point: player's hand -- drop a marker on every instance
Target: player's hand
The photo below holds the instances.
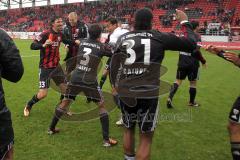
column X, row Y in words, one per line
column 114, row 91
column 67, row 48
column 181, row 16
column 212, row 49
column 47, row 43
column 77, row 42
column 232, row 57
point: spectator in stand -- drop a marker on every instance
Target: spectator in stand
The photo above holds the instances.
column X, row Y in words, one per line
column 237, row 21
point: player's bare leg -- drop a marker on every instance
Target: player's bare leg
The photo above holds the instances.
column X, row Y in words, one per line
column 104, row 77
column 9, row 155
column 234, row 133
column 144, row 148
column 129, row 143
column 63, row 88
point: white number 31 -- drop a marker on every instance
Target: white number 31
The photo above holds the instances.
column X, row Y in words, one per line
column 147, row 48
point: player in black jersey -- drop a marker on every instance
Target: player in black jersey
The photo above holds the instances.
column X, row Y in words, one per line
column 112, row 24
column 11, row 69
column 73, row 30
column 234, row 115
column 84, row 79
column 188, row 66
column 48, row 42
column 135, row 73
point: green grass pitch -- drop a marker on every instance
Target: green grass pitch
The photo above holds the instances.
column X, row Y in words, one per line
column 181, row 134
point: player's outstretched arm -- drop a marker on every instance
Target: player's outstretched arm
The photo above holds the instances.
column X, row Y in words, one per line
column 232, row 57
column 36, row 45
column 187, row 43
column 41, row 41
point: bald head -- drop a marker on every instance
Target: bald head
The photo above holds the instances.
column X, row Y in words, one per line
column 72, row 18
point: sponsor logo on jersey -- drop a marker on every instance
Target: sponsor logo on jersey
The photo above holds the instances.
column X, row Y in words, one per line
column 39, row 38
column 55, row 44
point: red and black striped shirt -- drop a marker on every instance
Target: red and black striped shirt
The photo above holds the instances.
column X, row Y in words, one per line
column 49, row 56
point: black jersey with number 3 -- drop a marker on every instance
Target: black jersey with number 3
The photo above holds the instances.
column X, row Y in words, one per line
column 139, row 70
column 89, row 57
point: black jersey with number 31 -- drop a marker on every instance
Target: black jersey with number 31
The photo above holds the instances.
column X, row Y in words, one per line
column 139, row 68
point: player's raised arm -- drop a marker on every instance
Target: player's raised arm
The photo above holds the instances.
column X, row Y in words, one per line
column 229, row 56
column 41, row 42
column 187, row 43
column 10, row 60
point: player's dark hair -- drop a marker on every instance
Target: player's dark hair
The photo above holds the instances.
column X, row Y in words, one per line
column 143, row 19
column 95, row 31
column 53, row 19
column 112, row 20
column 194, row 24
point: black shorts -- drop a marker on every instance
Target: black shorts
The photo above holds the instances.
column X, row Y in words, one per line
column 107, row 65
column 145, row 114
column 235, row 111
column 7, row 135
column 6, row 129
column 4, row 150
column 46, row 74
column 77, row 86
column 190, row 72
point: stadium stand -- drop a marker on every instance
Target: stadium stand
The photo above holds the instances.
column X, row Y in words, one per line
column 205, row 11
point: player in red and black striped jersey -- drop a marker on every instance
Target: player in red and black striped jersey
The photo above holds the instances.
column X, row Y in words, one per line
column 188, row 66
column 48, row 43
